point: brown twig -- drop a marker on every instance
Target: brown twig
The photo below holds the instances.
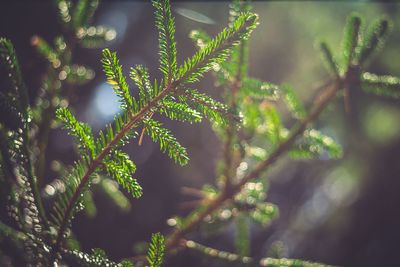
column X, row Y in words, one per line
column 95, row 163
column 227, row 194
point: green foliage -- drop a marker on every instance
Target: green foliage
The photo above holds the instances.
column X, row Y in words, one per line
column 97, row 258
column 167, row 141
column 357, row 46
column 206, row 105
column 264, row 213
column 16, row 165
column 110, row 188
column 313, row 143
column 248, row 122
column 152, row 99
column 81, row 131
column 117, row 80
column 200, row 37
column 107, row 135
column 330, row 62
column 350, row 40
column 89, row 205
column 242, row 240
column 95, row 36
column 140, row 75
column 76, row 18
column 83, row 12
column 259, row 89
column 251, row 202
column 215, row 253
column 14, row 89
column 374, row 39
column 121, row 168
column 64, row 209
column 12, row 121
column 180, row 111
column 166, row 29
column 274, row 125
column 381, row 85
column 64, row 11
column 76, row 74
column 217, row 49
column 155, row 253
column 46, row 51
column 289, row 263
column 293, row 102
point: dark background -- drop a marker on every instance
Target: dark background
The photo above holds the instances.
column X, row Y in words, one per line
column 343, row 212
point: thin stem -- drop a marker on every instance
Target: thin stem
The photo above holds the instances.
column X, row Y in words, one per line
column 95, row 163
column 230, row 130
column 44, row 128
column 135, row 118
column 212, row 252
column 48, row 113
column 33, row 181
column 241, row 259
column 321, row 102
column 226, row 195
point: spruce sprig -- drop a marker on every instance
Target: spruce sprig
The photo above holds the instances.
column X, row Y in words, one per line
column 117, row 80
column 168, row 142
column 206, row 105
column 152, row 99
column 166, row 30
column 81, row 131
column 384, row 85
column 374, row 38
column 180, row 111
column 350, row 40
column 16, row 147
column 155, row 253
column 98, row 257
column 16, row 90
column 217, row 49
column 83, row 12
column 121, row 168
column 140, row 75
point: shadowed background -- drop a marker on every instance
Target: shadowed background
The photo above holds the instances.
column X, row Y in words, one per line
column 343, row 212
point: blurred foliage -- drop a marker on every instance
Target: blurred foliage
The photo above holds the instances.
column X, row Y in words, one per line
column 256, row 122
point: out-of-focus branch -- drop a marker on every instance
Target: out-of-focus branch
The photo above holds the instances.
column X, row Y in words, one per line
column 321, row 102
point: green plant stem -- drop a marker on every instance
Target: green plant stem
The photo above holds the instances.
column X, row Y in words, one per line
column 327, row 95
column 136, row 118
column 95, row 163
column 230, row 130
column 33, row 181
column 43, row 136
column 49, row 113
column 224, row 255
column 230, row 133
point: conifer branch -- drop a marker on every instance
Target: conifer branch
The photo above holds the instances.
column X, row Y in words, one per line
column 241, row 194
column 207, row 106
column 113, row 71
column 61, row 74
column 166, row 27
column 327, row 95
column 212, row 252
column 168, row 143
column 232, row 257
column 350, row 40
column 217, row 49
column 17, row 93
column 155, row 254
column 230, row 130
column 374, row 39
column 97, row 161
